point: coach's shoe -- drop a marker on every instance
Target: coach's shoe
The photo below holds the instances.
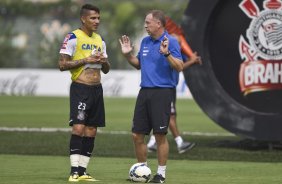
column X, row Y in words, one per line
column 86, row 177
column 152, row 148
column 157, row 179
column 73, row 177
column 185, row 146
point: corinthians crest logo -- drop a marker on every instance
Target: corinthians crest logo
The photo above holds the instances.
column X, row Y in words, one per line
column 262, row 53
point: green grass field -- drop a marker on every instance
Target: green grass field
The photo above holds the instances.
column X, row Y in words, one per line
column 42, row 157
column 53, row 112
column 17, row 169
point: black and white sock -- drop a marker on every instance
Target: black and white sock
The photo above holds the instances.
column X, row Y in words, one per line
column 86, row 151
column 75, row 151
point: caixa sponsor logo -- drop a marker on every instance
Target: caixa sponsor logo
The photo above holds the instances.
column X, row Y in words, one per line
column 90, row 47
column 262, row 52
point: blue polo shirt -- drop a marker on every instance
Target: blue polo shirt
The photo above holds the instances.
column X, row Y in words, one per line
column 155, row 69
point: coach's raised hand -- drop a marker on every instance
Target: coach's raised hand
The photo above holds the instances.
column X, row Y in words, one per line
column 126, row 50
column 164, row 46
column 126, row 47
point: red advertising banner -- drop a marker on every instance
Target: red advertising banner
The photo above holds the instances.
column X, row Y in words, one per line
column 260, row 75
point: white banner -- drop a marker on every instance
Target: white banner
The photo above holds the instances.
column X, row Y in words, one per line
column 52, row 82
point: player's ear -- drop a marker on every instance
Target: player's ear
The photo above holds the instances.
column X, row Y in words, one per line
column 82, row 19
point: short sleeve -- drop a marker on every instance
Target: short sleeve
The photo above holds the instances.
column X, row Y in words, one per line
column 104, row 48
column 69, row 45
column 174, row 48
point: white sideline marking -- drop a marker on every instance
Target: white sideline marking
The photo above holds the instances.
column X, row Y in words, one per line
column 25, row 129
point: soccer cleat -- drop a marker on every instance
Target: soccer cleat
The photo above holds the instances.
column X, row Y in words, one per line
column 157, row 179
column 86, row 177
column 73, row 177
column 152, row 148
column 185, row 146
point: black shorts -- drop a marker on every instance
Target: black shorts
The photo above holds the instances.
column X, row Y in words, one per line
column 152, row 111
column 87, row 105
column 173, row 103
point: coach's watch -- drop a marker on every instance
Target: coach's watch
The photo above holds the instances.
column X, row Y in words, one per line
column 167, row 54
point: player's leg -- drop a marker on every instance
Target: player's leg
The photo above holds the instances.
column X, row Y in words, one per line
column 86, row 152
column 152, row 145
column 173, row 126
column 75, row 150
column 182, row 146
column 77, row 121
column 172, row 122
column 95, row 118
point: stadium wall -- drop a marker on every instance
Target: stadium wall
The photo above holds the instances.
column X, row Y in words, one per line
column 51, row 82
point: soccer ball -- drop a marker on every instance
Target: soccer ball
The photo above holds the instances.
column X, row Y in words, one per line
column 139, row 172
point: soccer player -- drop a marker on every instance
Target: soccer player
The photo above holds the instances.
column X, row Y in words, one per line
column 159, row 60
column 83, row 52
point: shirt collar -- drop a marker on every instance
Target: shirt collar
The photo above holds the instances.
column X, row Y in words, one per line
column 160, row 38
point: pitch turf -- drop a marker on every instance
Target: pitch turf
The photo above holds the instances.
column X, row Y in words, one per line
column 214, row 160
column 17, row 169
column 18, row 111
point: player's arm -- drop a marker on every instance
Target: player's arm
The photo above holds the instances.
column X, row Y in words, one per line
column 193, row 59
column 105, row 66
column 66, row 52
column 126, row 49
column 104, row 59
column 66, row 63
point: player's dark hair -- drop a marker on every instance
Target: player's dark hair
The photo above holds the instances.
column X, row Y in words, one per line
column 88, row 7
column 158, row 14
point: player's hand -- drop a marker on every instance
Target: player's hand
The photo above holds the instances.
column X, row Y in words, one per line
column 95, row 58
column 196, row 59
column 103, row 59
column 164, row 45
column 125, row 44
